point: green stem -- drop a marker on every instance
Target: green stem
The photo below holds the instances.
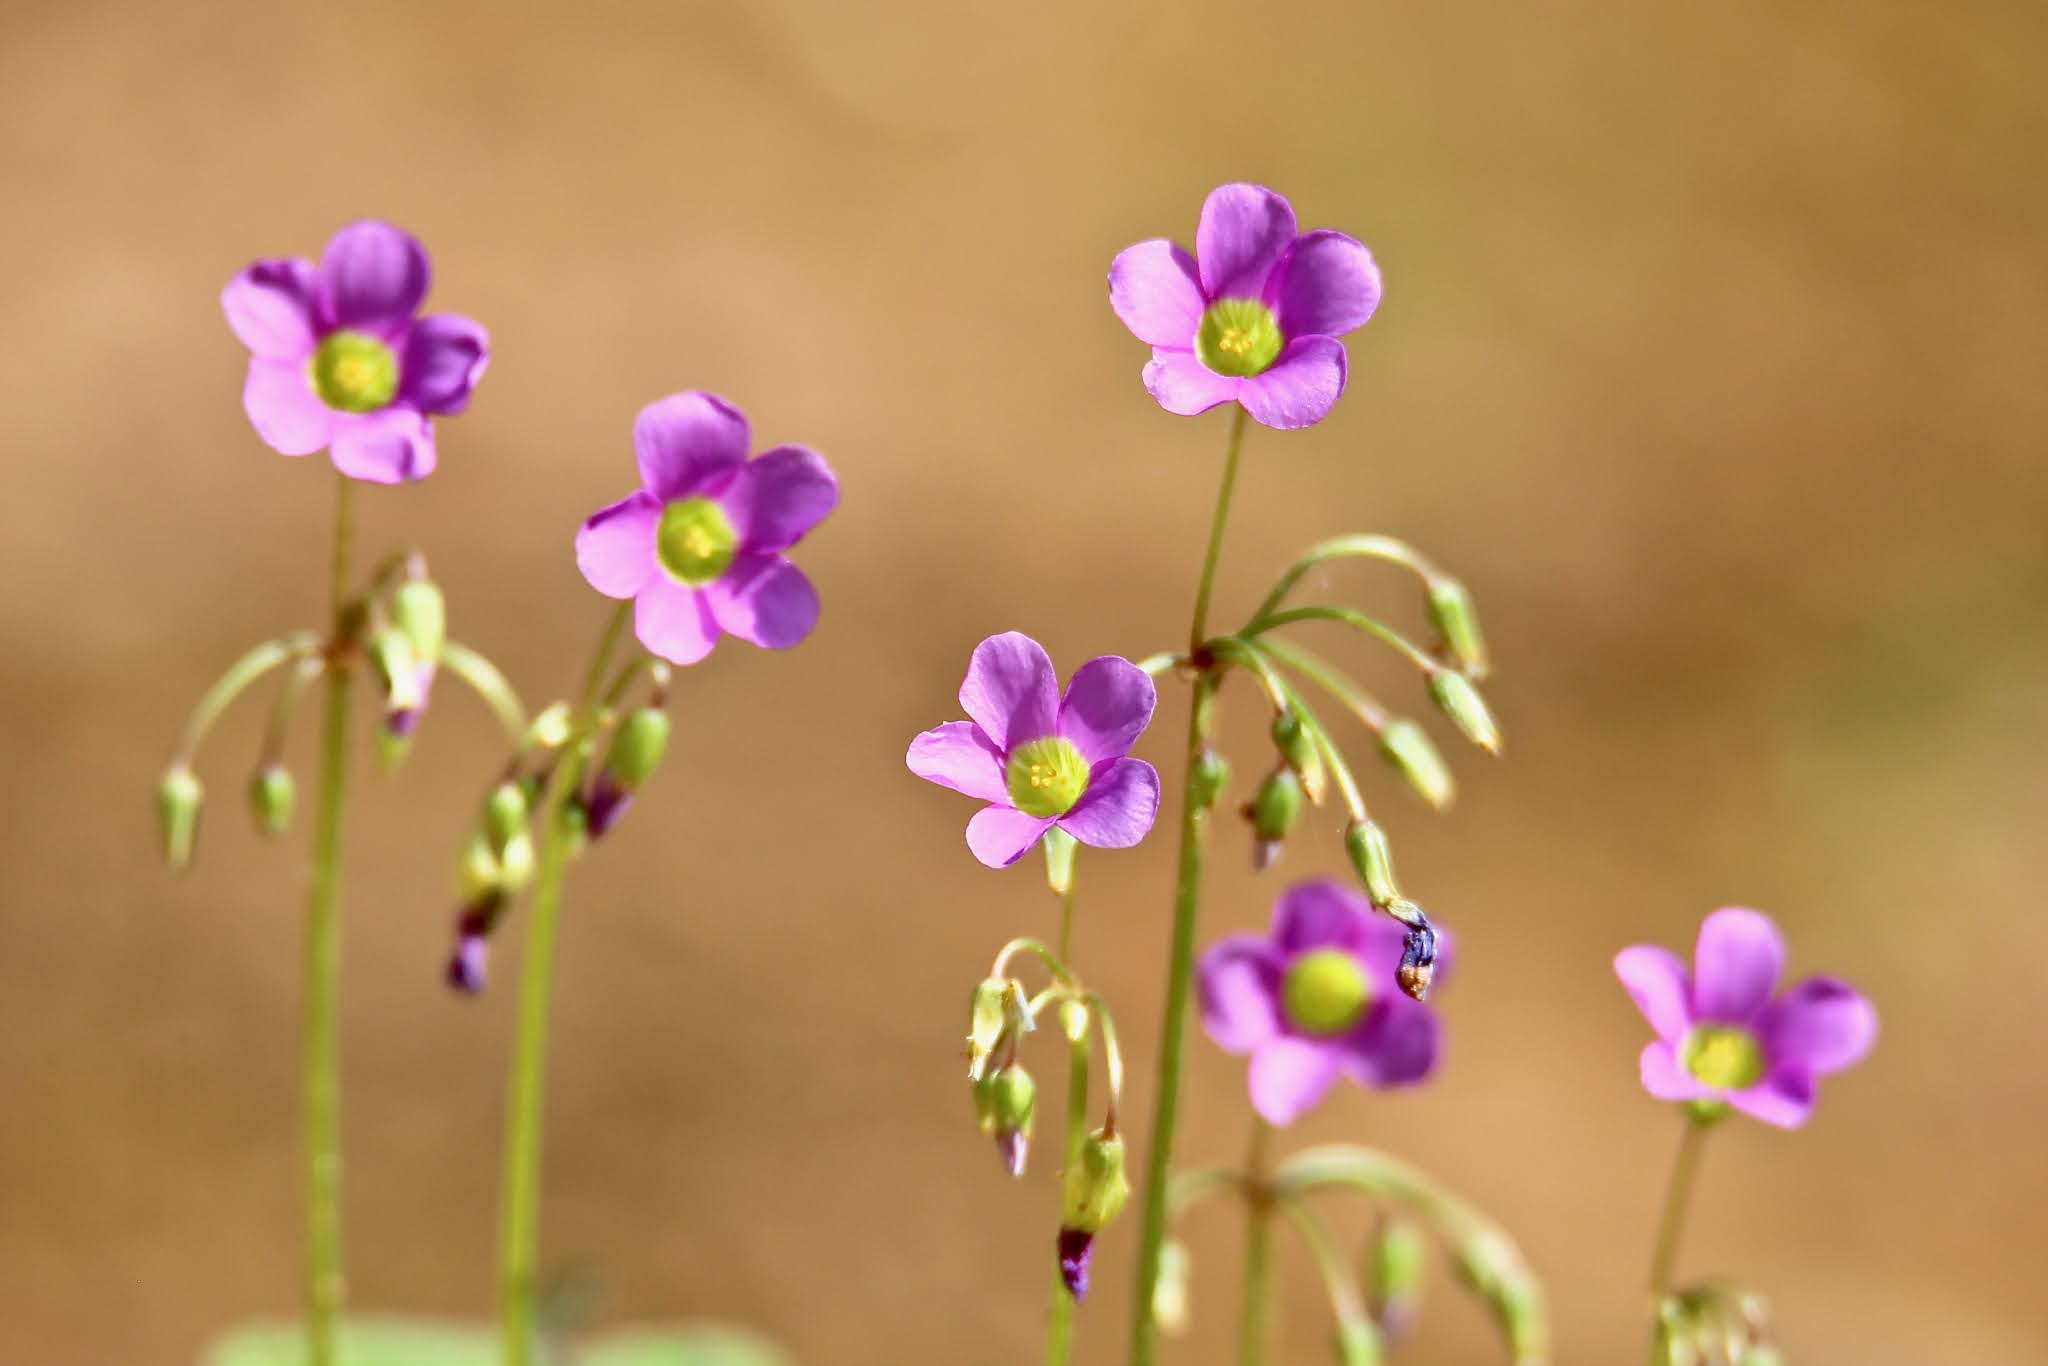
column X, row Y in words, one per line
column 320, row 1037
column 1258, row 1239
column 1059, row 1332
column 519, row 1219
column 1357, row 621
column 1345, row 1301
column 1187, row 900
column 1349, row 547
column 1676, row 1195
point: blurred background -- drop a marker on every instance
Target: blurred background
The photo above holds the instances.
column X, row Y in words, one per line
column 1711, row 357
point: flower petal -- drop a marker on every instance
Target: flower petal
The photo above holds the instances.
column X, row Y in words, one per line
column 1300, row 388
column 445, row 356
column 1736, row 964
column 372, row 273
column 1184, row 385
column 959, row 756
column 1317, row 914
column 1657, row 982
column 1664, row 1078
column 1244, row 230
column 1237, row 982
column 1784, row 1099
column 1327, row 285
column 1396, row 1044
column 1109, row 703
column 1000, row 835
column 673, row 620
column 270, row 308
column 390, row 446
column 1010, row 690
column 1289, row 1075
column 615, row 546
column 283, row 408
column 764, row 600
column 687, row 440
column 1156, row 292
column 1823, row 1024
column 778, row 496
column 1119, row 806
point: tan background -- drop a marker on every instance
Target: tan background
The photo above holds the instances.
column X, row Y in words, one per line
column 1712, row 356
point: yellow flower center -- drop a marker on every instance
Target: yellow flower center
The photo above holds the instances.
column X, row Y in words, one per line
column 354, row 372
column 1047, row 777
column 1238, row 337
column 695, row 541
column 1722, row 1056
column 1325, row 992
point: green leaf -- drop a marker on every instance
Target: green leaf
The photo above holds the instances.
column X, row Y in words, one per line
column 364, row 1342
column 684, row 1347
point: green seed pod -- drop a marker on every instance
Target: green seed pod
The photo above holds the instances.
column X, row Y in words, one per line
column 419, row 610
column 179, row 796
column 1458, row 699
column 1170, row 1294
column 505, row 814
column 1096, row 1186
column 1298, row 750
column 1407, row 747
column 637, row 747
column 1397, row 1265
column 1211, row 775
column 1457, row 622
column 272, row 797
column 1374, row 860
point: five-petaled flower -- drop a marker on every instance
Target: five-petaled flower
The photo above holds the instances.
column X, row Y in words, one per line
column 338, row 361
column 1253, row 316
column 1315, row 1000
column 1042, row 760
column 1722, row 1040
column 699, row 547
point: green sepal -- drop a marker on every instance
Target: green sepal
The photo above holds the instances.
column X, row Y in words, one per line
column 273, row 796
column 179, row 796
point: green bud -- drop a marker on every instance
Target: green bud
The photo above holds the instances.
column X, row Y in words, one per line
column 1273, row 812
column 178, row 798
column 1298, row 749
column 1456, row 621
column 1012, row 1096
column 505, row 814
column 1407, row 747
column 550, row 729
column 392, row 651
column 575, row 819
column 1060, row 848
column 988, row 1019
column 1170, row 1298
column 272, row 796
column 984, row 1091
column 1359, row 1343
column 477, row 874
column 1074, row 1019
column 1374, row 860
column 1458, row 699
column 637, row 747
column 1096, row 1187
column 1396, row 1268
column 419, row 610
column 1211, row 774
column 516, row 862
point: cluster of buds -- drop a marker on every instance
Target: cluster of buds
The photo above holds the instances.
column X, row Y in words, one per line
column 406, row 638
column 496, row 864
column 1004, row 1093
column 1714, row 1325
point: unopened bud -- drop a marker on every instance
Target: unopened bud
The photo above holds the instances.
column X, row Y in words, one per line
column 469, row 963
column 477, row 874
column 988, row 1018
column 1076, row 1249
column 1458, row 699
column 1407, row 747
column 637, row 747
column 1273, row 812
column 550, row 729
column 505, row 814
column 1074, row 1019
column 1457, row 622
column 1096, row 1185
column 1359, row 1343
column 419, row 610
column 1397, row 1266
column 272, row 797
column 398, row 664
column 1374, row 860
column 516, row 862
column 1210, row 776
column 1170, row 1293
column 1298, row 750
column 1011, row 1099
column 178, row 799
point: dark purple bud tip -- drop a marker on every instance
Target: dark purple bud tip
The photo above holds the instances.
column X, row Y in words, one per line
column 466, row 966
column 1075, row 1249
column 404, row 721
column 607, row 802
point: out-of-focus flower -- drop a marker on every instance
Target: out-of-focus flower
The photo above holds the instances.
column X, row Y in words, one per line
column 699, row 547
column 1041, row 759
column 1253, row 316
column 1721, row 1038
column 338, row 361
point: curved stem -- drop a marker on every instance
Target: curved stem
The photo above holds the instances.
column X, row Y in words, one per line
column 1217, row 522
column 1345, row 1301
column 1677, row 1192
column 1330, row 679
column 1258, row 1239
column 238, row 678
column 1357, row 621
column 519, row 1230
column 489, row 683
column 1365, row 546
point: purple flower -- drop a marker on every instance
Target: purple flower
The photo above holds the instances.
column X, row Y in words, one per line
column 1316, row 1000
column 1722, row 1040
column 1253, row 316
column 337, row 359
column 1042, row 760
column 698, row 547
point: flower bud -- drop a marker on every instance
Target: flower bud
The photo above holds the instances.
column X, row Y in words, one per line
column 1273, row 812
column 1170, row 1295
column 1011, row 1099
column 1397, row 1265
column 550, row 729
column 988, row 1019
column 516, row 863
column 178, row 798
column 1074, row 1019
column 1407, row 747
column 505, row 814
column 637, row 747
column 469, row 963
column 1298, row 749
column 1456, row 621
column 1076, row 1247
column 1211, row 774
column 272, row 797
column 419, row 610
column 1374, row 861
column 1458, row 699
column 398, row 664
column 477, row 874
column 1096, row 1186
column 1359, row 1343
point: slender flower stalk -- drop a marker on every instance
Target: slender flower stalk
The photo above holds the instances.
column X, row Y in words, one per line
column 1059, row 1332
column 1677, row 1195
column 1258, row 1239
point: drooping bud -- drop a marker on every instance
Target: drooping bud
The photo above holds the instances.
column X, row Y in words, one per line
column 1407, row 747
column 468, row 964
column 988, row 1019
column 1096, row 1184
column 1359, row 1343
column 1374, row 861
column 1396, row 1267
column 398, row 665
column 419, row 610
column 1457, row 622
column 636, row 750
column 1273, row 812
column 1170, row 1293
column 179, row 795
column 1298, row 750
column 550, row 729
column 272, row 797
column 516, row 862
column 477, row 874
column 1074, row 1019
column 1210, row 776
column 1011, row 1099
column 1458, row 699
column 505, row 814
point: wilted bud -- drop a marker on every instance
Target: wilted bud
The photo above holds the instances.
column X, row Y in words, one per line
column 178, row 798
column 1273, row 812
column 1417, row 968
column 1456, row 621
column 988, row 1019
column 1407, row 747
column 1211, row 774
column 1359, row 1343
column 1170, row 1294
column 1397, row 1265
column 1367, row 845
column 272, row 797
column 1298, row 750
column 1458, row 699
column 419, row 610
column 505, row 814
column 1011, row 1099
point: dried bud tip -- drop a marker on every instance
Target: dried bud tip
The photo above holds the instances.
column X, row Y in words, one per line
column 1418, row 962
column 1076, row 1247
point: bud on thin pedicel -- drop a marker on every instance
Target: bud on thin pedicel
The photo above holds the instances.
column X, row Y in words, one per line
column 1397, row 1266
column 1210, row 776
column 988, row 1018
column 505, row 814
column 1458, row 699
column 637, row 747
column 1096, row 1185
column 1011, row 1100
column 179, row 795
column 1298, row 750
column 1457, row 622
column 272, row 797
column 1407, row 747
column 1273, row 811
column 419, row 610
column 1374, row 860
